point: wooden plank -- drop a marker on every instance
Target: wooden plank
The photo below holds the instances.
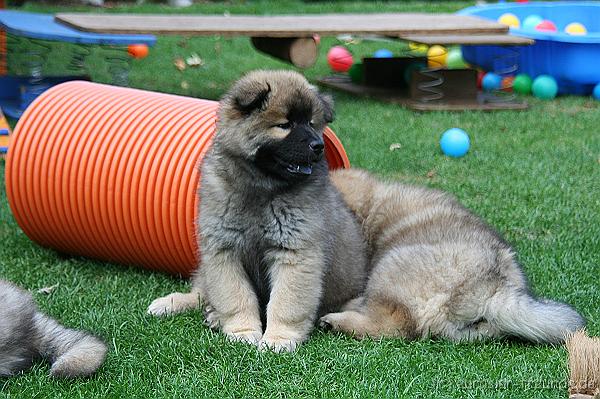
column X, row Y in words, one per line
column 394, row 25
column 500, row 39
column 402, row 97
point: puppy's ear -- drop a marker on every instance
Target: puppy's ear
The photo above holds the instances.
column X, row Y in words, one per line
column 251, row 97
column 327, row 104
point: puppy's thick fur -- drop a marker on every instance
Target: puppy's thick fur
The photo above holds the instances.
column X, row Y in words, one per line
column 438, row 270
column 279, row 247
column 27, row 334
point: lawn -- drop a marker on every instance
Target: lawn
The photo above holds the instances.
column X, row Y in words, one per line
column 533, row 175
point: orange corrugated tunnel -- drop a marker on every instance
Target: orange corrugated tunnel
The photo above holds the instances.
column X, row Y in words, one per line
column 112, row 173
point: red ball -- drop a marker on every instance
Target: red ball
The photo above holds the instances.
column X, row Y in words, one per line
column 137, row 50
column 546, row 26
column 522, row 1
column 339, row 59
column 480, row 76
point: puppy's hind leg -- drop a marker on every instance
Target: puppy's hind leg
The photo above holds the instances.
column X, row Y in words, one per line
column 376, row 318
column 177, row 302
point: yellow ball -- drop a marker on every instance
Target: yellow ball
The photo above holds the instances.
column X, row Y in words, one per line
column 510, row 20
column 418, row 47
column 575, row 28
column 437, row 56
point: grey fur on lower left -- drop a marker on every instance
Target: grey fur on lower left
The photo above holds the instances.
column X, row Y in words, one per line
column 26, row 334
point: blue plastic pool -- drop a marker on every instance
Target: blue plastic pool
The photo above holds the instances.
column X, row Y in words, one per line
column 574, row 61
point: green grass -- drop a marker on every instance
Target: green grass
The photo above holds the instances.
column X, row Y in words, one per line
column 534, row 175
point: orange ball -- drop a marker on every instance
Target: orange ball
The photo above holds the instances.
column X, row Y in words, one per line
column 137, row 50
column 507, row 83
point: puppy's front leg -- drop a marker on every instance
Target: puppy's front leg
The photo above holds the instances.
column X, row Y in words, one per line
column 229, row 292
column 296, row 289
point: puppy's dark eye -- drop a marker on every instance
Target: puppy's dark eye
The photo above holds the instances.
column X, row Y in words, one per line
column 284, row 126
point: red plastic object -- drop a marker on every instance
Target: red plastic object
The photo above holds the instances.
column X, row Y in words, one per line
column 138, row 50
column 112, row 173
column 339, row 59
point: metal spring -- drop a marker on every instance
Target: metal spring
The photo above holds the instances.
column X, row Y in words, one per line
column 79, row 53
column 432, row 89
column 505, row 64
column 119, row 64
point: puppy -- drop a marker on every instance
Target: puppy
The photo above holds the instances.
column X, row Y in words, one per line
column 439, row 270
column 278, row 245
column 27, row 334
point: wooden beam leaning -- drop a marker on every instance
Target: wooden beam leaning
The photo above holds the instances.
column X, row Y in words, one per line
column 301, row 52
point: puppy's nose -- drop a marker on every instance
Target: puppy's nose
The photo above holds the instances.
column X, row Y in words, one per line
column 317, row 146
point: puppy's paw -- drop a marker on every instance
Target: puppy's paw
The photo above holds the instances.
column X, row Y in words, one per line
column 174, row 303
column 251, row 337
column 278, row 344
column 211, row 317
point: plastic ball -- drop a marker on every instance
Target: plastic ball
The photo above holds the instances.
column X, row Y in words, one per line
column 544, row 87
column 507, row 83
column 437, row 56
column 522, row 84
column 532, row 21
column 418, row 47
column 383, row 53
column 546, row 26
column 491, row 81
column 408, row 71
column 509, row 20
column 455, row 142
column 317, row 39
column 480, row 75
column 138, row 50
column 339, row 59
column 596, row 92
column 455, row 59
column 576, row 29
column 356, row 72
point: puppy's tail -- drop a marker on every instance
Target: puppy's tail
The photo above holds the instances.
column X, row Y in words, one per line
column 72, row 353
column 515, row 312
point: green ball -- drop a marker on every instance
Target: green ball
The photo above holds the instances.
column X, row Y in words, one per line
column 544, row 87
column 356, row 72
column 455, row 59
column 522, row 84
column 408, row 71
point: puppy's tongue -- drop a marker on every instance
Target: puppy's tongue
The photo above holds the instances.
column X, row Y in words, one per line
column 300, row 169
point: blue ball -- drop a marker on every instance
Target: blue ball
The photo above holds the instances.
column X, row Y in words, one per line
column 532, row 21
column 596, row 92
column 491, row 81
column 455, row 142
column 383, row 53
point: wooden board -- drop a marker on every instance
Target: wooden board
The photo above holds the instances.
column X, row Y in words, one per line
column 394, row 25
column 470, row 39
column 483, row 102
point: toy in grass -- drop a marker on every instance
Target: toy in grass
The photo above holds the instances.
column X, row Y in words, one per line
column 418, row 47
column 339, row 59
column 546, row 26
column 138, row 50
column 576, row 29
column 455, row 59
column 383, row 53
column 491, row 81
column 124, row 183
column 596, row 92
column 544, row 87
column 356, row 72
column 522, row 84
column 532, row 21
column 509, row 19
column 437, row 56
column 455, row 142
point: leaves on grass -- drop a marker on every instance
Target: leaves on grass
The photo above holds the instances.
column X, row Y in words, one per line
column 185, row 85
column 194, row 60
column 48, row 290
column 431, row 174
column 179, row 64
column 395, row 146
